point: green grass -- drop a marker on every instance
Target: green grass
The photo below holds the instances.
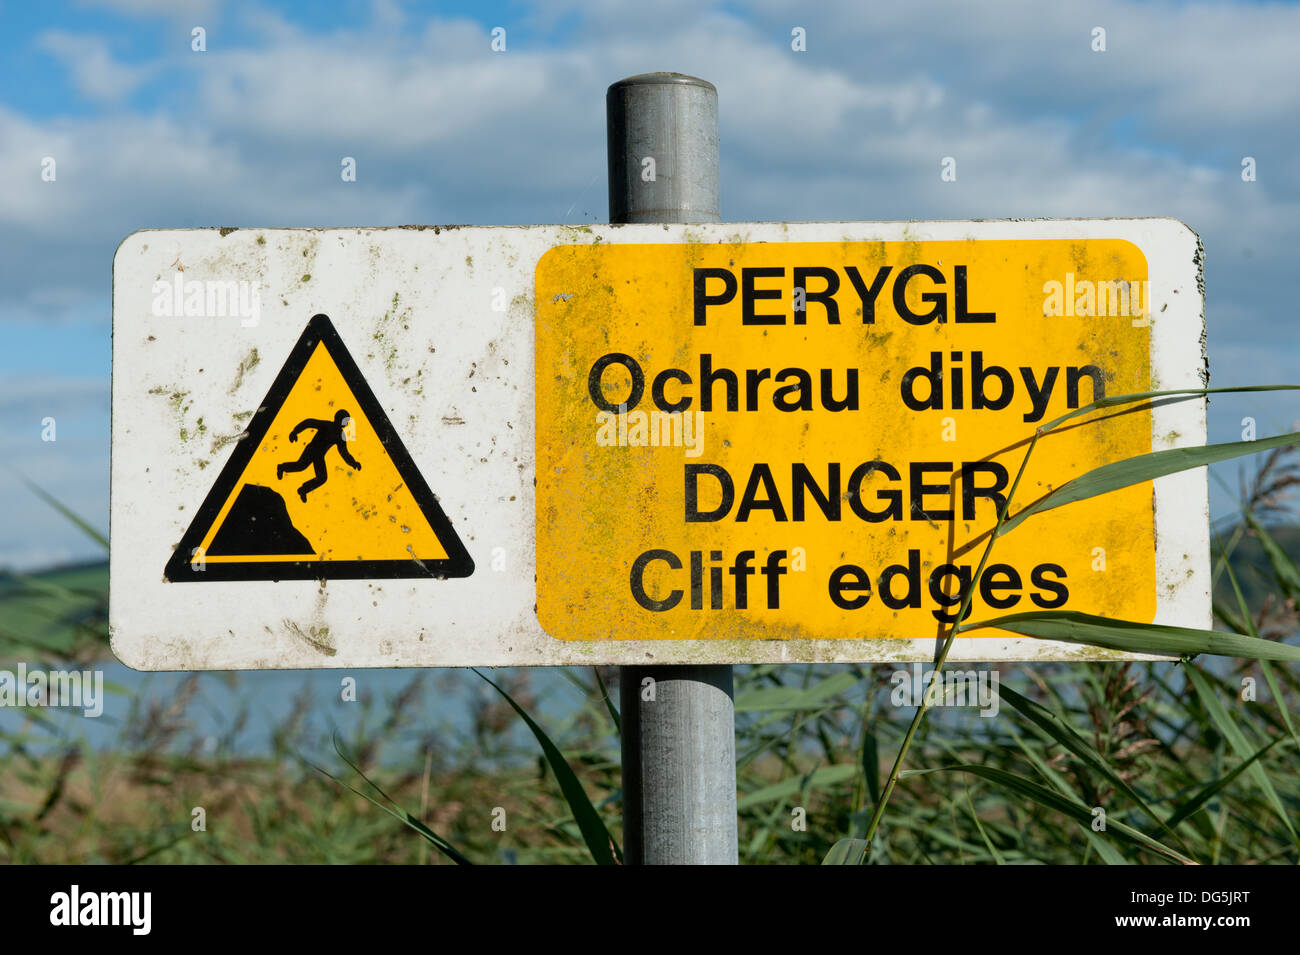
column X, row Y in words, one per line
column 61, row 612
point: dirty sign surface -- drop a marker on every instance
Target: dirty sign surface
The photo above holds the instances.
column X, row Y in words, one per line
column 730, row 443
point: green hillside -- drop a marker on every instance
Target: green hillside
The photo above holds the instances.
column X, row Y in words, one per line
column 61, row 612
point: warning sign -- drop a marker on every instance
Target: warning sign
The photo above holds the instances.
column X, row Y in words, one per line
column 811, row 440
column 708, row 443
column 320, row 486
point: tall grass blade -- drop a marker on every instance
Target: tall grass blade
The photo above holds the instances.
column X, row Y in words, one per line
column 823, row 776
column 67, row 512
column 1143, row 467
column 1063, row 733
column 1065, row 805
column 1073, row 627
column 1247, row 624
column 1284, row 568
column 1233, row 734
column 589, row 822
column 847, row 852
column 1207, row 792
column 393, row 809
column 609, row 704
column 796, row 698
column 1113, row 401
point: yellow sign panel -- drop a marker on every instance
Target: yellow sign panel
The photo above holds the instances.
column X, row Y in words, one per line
column 320, row 486
column 811, row 440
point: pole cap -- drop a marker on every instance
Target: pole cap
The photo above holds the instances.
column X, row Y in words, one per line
column 663, row 79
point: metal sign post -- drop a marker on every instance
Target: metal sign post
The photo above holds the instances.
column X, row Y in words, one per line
column 679, row 742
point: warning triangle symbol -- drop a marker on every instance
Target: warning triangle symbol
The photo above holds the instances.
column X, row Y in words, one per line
column 320, row 486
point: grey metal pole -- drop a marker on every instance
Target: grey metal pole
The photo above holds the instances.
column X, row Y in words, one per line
column 679, row 732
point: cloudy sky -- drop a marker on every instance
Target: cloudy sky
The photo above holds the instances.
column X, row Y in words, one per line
column 146, row 132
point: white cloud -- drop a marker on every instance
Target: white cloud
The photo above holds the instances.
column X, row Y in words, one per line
column 95, row 73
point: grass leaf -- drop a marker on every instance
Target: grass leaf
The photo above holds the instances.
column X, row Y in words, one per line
column 1233, row 734
column 1283, row 566
column 394, row 810
column 1208, row 791
column 1074, row 627
column 796, row 698
column 589, row 822
column 1065, row 805
column 67, row 512
column 609, row 704
column 1063, row 733
column 1143, row 467
column 847, row 852
column 823, row 776
column 1113, row 401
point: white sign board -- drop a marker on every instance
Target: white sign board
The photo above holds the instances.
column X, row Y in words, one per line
column 627, row 444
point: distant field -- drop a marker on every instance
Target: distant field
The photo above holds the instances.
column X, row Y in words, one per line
column 62, row 611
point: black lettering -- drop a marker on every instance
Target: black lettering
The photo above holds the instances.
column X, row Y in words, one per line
column 707, row 378
column 692, row 475
column 937, row 299
column 749, row 294
column 958, row 389
column 773, row 570
column 826, row 297
column 907, row 386
column 892, row 496
column 912, row 573
column 703, row 299
column 829, row 401
column 868, row 295
column 978, row 375
column 742, row 571
column 657, row 391
column 595, row 376
column 939, row 592
column 752, row 378
column 802, row 480
column 1039, row 395
column 969, row 492
column 761, row 474
column 989, row 586
column 1062, row 593
column 1072, row 376
column 638, row 584
column 959, row 300
column 697, row 580
column 920, row 489
column 801, row 389
column 840, row 583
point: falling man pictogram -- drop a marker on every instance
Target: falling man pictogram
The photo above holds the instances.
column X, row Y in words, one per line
column 329, row 434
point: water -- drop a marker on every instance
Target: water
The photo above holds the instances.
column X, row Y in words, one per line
column 242, row 713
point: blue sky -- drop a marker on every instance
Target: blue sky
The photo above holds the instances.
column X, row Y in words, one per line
column 148, row 133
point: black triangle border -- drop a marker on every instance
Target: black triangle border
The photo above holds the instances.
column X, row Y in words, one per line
column 320, row 330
